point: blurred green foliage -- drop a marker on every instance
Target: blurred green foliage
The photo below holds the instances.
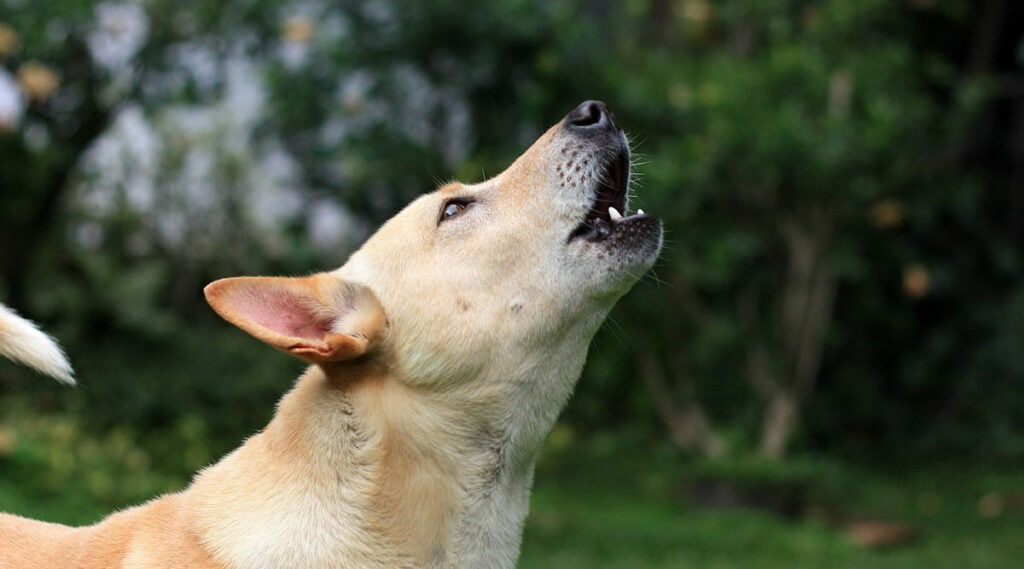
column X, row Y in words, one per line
column 841, row 270
column 821, row 134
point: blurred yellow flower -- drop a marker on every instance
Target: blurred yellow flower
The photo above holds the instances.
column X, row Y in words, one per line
column 8, row 40
column 917, row 281
column 298, row 29
column 37, row 80
column 8, row 441
column 887, row 214
column 697, row 11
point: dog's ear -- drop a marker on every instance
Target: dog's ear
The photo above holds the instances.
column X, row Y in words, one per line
column 320, row 318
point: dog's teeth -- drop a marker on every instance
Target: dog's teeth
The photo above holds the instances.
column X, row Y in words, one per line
column 639, row 211
column 614, row 213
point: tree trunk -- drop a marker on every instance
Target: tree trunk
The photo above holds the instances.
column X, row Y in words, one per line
column 687, row 423
column 808, row 298
column 781, row 418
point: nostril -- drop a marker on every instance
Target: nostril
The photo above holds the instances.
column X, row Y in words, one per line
column 589, row 113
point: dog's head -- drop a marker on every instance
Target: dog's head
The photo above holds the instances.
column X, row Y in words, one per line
column 506, row 279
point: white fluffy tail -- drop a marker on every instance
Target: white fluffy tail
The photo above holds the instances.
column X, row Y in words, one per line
column 22, row 342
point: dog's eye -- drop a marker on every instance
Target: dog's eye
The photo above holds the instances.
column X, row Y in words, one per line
column 453, row 208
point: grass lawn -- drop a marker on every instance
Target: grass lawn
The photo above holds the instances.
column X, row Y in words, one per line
column 606, row 528
column 625, row 517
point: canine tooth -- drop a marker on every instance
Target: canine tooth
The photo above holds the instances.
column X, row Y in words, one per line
column 639, row 211
column 614, row 213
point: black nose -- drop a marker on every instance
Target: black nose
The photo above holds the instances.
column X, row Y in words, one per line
column 591, row 115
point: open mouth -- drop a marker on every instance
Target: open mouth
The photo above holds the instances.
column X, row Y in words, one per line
column 610, row 202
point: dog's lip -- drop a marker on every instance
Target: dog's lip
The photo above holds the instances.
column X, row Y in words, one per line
column 610, row 205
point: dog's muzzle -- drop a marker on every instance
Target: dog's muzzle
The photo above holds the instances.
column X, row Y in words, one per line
column 608, row 219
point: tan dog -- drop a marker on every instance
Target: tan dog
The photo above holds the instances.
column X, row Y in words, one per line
column 443, row 352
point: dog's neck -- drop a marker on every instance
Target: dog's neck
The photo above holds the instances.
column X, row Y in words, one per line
column 364, row 470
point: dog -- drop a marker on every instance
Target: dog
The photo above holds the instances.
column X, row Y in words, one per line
column 23, row 342
column 441, row 354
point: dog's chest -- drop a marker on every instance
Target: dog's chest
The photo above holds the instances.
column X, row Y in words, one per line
column 296, row 528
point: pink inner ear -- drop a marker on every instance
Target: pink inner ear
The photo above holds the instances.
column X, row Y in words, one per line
column 285, row 313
